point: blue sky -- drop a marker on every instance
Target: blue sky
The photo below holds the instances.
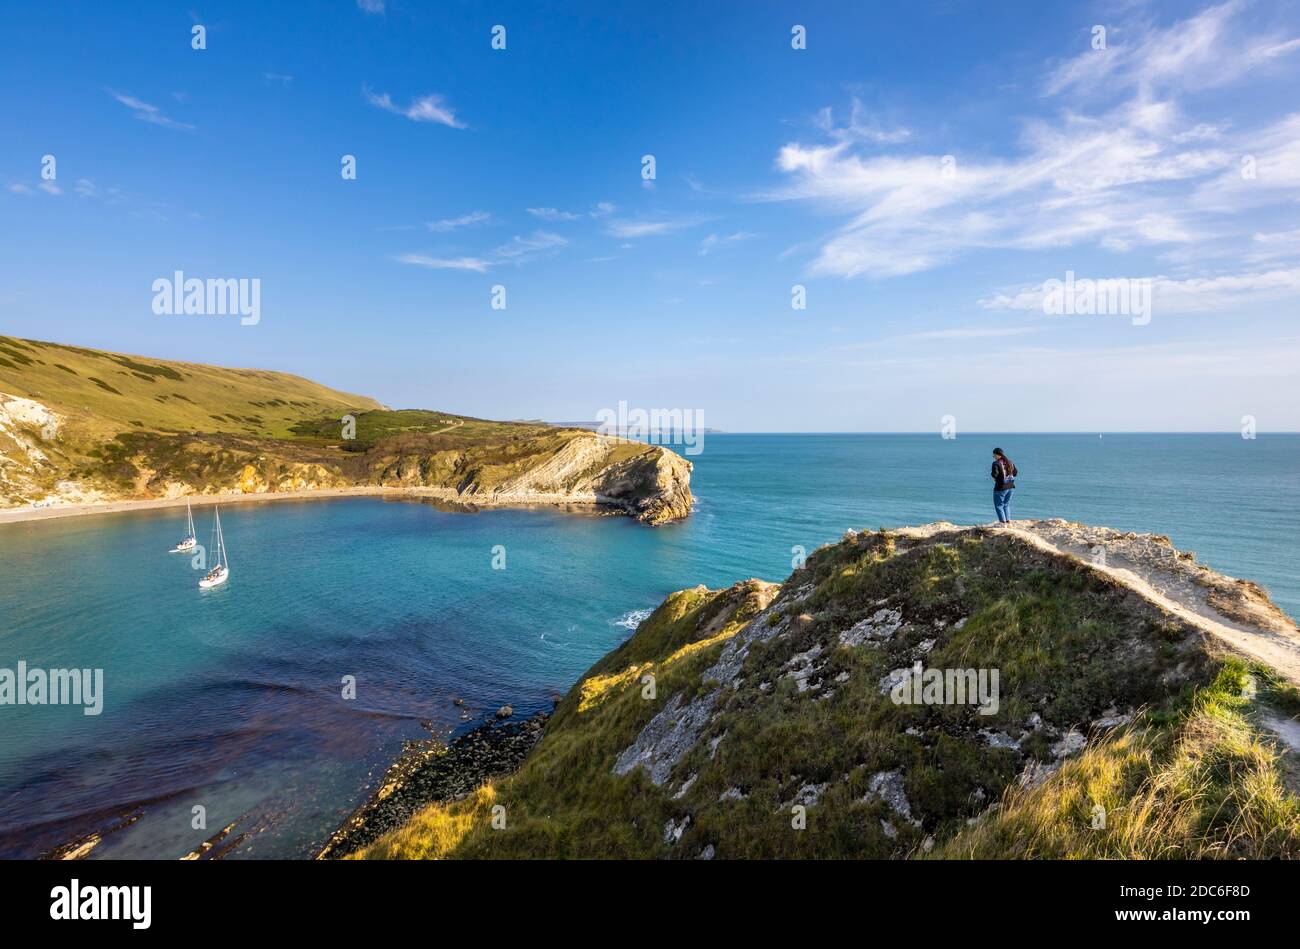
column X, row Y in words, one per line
column 774, row 167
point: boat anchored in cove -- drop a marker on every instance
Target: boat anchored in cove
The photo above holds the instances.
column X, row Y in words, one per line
column 189, row 542
column 220, row 571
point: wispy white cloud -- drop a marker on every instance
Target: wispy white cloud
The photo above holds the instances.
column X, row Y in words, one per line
column 49, row 187
column 860, row 127
column 1203, row 51
column 629, row 229
column 1171, row 295
column 520, row 249
column 465, row 220
column 427, row 108
column 1135, row 174
column 1279, row 237
column 554, row 214
column 988, row 332
column 277, row 78
column 714, row 242
column 371, row 6
column 603, row 209
column 146, row 112
column 476, row 264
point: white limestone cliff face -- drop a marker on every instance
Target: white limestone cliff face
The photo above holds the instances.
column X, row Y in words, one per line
column 26, row 428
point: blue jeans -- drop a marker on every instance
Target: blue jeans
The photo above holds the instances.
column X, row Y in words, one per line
column 1002, row 504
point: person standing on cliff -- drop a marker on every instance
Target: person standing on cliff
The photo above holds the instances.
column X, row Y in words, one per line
column 1004, row 482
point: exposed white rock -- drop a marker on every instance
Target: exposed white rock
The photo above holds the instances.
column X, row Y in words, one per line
column 806, row 657
column 686, row 786
column 892, row 678
column 808, row 795
column 878, row 627
column 19, row 413
column 1112, row 717
column 1036, row 772
column 673, row 830
column 713, row 745
column 888, row 786
column 1000, row 739
column 1071, row 742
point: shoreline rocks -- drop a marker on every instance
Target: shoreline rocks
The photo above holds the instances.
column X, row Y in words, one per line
column 430, row 772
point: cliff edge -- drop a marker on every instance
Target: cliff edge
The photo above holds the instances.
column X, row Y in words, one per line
column 1047, row 690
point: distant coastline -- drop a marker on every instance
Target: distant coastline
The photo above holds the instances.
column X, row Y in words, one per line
column 447, row 496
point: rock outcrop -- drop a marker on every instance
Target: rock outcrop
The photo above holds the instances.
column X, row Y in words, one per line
column 947, row 691
column 573, row 466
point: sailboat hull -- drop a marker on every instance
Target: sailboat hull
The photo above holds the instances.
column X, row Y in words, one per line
column 207, row 583
column 183, row 546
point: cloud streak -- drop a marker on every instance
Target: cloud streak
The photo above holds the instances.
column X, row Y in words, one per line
column 630, row 229
column 519, row 250
column 465, row 220
column 427, row 108
column 1134, row 172
column 147, row 112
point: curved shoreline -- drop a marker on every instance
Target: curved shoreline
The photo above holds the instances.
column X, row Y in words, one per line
column 449, row 496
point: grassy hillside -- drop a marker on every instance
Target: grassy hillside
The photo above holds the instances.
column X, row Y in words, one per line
column 104, row 393
column 771, row 699
column 84, row 425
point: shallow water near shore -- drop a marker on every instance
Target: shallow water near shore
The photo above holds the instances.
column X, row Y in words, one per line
column 230, row 699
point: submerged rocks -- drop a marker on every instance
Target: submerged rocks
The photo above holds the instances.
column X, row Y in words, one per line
column 429, row 772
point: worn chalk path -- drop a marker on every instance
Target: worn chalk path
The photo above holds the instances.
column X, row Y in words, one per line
column 1151, row 567
column 1273, row 645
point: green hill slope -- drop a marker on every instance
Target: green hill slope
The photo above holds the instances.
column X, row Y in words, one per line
column 107, row 392
column 774, row 726
column 81, row 425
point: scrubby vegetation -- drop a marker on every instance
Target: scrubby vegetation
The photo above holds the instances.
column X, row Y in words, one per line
column 137, row 428
column 766, row 703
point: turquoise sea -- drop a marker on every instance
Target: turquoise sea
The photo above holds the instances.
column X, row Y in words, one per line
column 231, row 699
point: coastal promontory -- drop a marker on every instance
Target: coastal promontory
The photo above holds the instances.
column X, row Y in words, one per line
column 83, row 428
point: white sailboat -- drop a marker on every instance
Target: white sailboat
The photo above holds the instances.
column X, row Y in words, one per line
column 220, row 571
column 189, row 543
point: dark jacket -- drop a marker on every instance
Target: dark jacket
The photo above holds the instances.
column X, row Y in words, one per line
column 1004, row 474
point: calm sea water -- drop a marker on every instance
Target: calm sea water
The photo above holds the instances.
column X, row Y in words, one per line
column 231, row 699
